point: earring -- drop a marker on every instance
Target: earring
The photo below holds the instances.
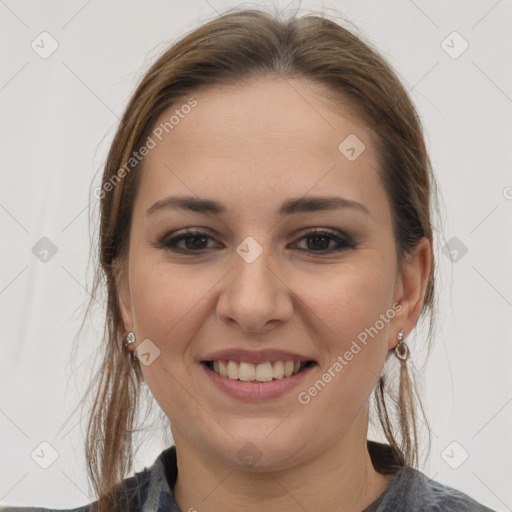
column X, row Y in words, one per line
column 129, row 342
column 401, row 350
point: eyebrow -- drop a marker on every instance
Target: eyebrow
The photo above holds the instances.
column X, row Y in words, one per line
column 289, row 207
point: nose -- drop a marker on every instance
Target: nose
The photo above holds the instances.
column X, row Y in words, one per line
column 255, row 296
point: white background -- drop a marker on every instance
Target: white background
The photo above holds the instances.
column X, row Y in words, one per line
column 58, row 118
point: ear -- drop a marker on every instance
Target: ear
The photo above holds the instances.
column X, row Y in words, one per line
column 411, row 287
column 123, row 293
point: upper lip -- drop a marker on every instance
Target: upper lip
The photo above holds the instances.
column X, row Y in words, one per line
column 255, row 356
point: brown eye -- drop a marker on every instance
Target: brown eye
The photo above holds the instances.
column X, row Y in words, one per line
column 320, row 241
column 191, row 241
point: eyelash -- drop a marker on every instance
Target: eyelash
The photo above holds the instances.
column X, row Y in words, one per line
column 171, row 243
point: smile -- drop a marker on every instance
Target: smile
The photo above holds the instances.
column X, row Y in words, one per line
column 262, row 372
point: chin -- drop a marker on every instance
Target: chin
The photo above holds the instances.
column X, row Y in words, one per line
column 260, row 453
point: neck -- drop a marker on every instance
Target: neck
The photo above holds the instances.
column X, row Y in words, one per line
column 339, row 478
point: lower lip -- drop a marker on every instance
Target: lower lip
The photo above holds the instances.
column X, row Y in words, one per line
column 254, row 391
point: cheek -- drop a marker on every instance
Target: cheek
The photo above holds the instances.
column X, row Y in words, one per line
column 337, row 305
column 350, row 300
column 169, row 305
column 356, row 310
column 167, row 301
column 340, row 302
column 356, row 341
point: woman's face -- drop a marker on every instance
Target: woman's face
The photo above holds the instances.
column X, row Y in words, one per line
column 257, row 286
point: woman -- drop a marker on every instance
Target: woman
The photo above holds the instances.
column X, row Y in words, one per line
column 267, row 246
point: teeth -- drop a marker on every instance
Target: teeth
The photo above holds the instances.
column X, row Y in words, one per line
column 247, row 372
column 263, row 372
column 278, row 370
column 288, row 368
column 232, row 370
column 222, row 368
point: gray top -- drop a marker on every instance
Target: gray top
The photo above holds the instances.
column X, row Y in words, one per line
column 409, row 490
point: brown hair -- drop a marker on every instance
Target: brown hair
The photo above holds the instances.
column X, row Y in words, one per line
column 236, row 46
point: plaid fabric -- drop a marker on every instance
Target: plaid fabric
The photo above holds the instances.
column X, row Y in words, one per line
column 159, row 497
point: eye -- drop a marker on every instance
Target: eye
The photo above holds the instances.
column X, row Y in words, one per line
column 319, row 240
column 194, row 241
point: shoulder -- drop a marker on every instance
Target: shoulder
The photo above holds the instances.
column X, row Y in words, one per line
column 131, row 492
column 410, row 489
column 84, row 508
column 437, row 496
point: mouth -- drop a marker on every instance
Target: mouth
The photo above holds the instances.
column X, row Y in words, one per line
column 266, row 371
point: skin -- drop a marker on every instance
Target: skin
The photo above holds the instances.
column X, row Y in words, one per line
column 252, row 146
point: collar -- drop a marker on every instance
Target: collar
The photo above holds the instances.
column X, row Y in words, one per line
column 161, row 477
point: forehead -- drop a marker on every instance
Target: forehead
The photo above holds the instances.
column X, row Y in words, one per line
column 252, row 142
